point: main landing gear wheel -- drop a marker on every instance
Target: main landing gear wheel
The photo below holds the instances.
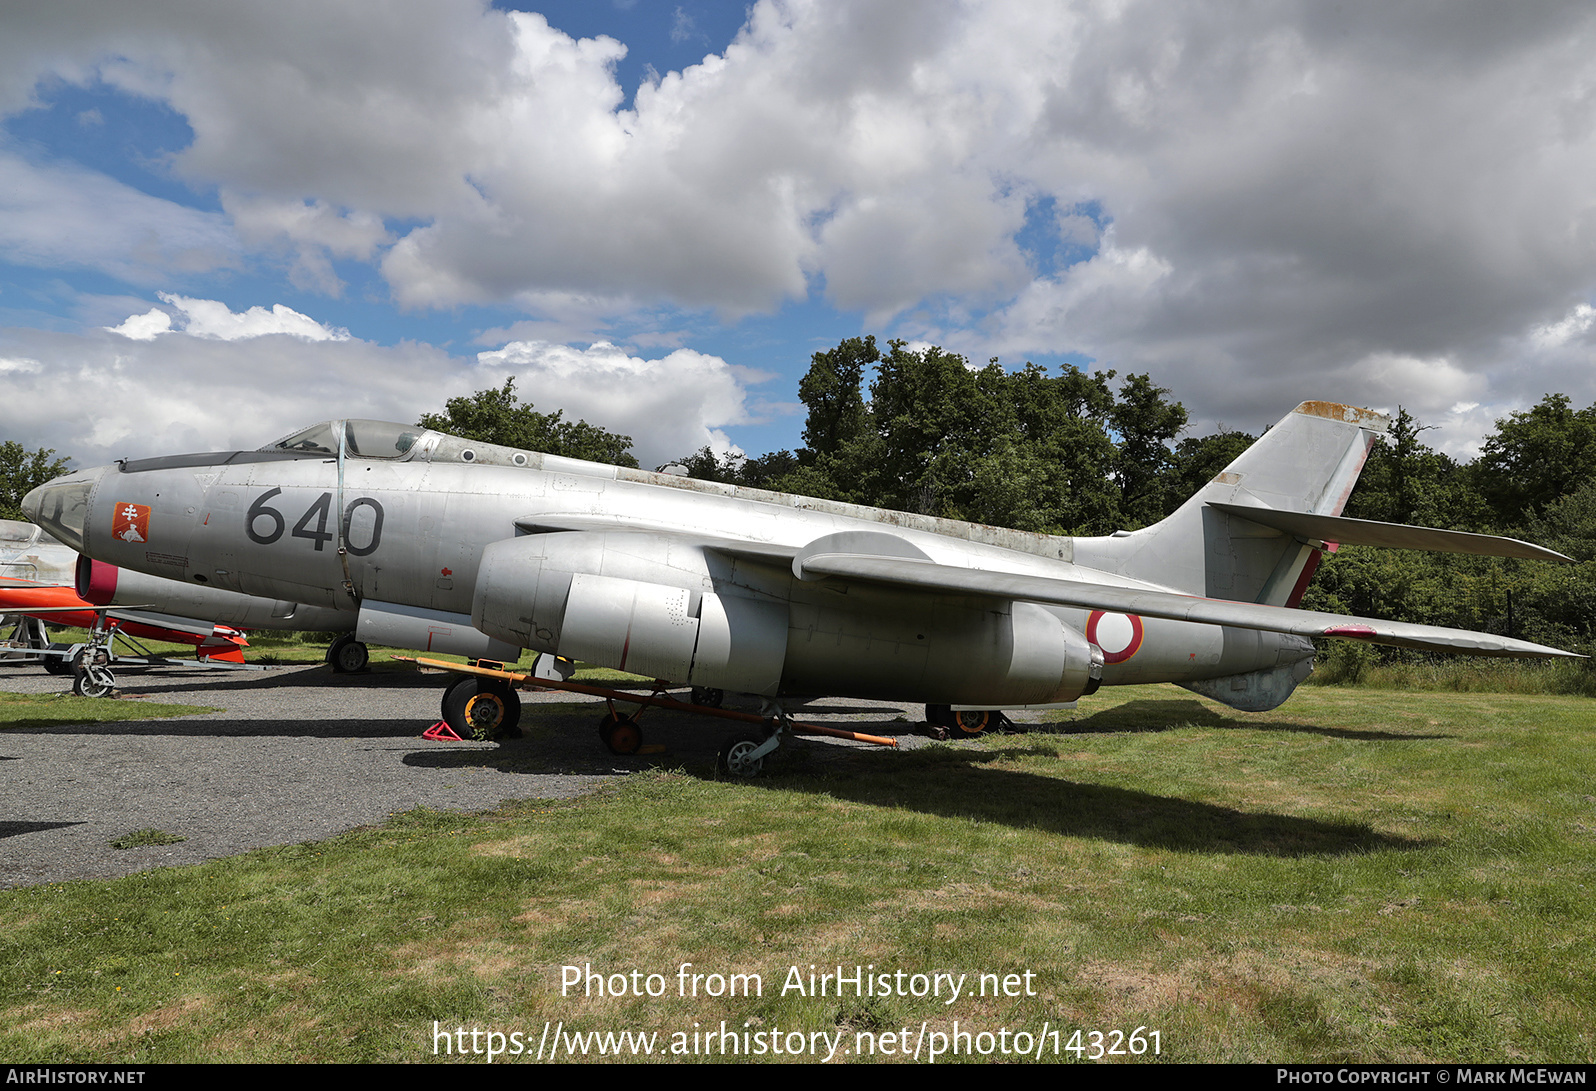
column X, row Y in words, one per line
column 736, row 757
column 94, row 681
column 704, row 697
column 620, row 733
column 346, row 655
column 483, row 709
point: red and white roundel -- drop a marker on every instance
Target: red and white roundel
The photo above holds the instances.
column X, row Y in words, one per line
column 1119, row 635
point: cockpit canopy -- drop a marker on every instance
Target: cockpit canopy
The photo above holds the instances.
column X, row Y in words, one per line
column 362, row 439
column 381, row 439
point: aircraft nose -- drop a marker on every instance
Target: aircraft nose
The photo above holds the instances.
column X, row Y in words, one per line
column 62, row 506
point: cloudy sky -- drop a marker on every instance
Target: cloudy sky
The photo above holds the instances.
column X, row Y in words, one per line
column 220, row 220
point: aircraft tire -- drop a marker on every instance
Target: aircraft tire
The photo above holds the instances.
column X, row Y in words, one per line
column 482, row 708
column 346, row 655
column 621, row 734
column 94, row 681
column 454, row 684
column 734, row 760
column 705, row 697
column 972, row 722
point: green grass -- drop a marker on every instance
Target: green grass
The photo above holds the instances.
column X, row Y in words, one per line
column 141, row 838
column 1360, row 876
column 1347, row 663
column 55, row 709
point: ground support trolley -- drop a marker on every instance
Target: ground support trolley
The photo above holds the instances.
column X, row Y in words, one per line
column 483, row 702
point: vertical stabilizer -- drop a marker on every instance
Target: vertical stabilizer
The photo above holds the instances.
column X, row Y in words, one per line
column 1306, row 463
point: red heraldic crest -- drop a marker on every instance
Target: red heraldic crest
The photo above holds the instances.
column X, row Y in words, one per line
column 131, row 523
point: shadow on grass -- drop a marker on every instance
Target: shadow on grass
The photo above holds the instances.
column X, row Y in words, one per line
column 955, row 784
column 1170, row 715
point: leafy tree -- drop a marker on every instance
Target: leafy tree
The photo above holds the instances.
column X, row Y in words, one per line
column 833, row 389
column 1536, row 457
column 933, row 416
column 1070, row 457
column 842, row 452
column 1405, row 481
column 22, row 471
column 1197, row 460
column 1144, row 466
column 499, row 416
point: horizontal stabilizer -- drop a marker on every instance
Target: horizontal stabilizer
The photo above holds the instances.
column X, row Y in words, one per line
column 928, row 576
column 1336, row 528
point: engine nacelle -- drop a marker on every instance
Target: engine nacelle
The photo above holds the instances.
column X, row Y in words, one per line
column 643, row 603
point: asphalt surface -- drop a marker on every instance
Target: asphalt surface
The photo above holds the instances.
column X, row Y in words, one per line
column 299, row 754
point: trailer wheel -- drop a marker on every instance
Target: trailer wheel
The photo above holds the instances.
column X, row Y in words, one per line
column 620, row 734
column 705, row 697
column 971, row 722
column 736, row 757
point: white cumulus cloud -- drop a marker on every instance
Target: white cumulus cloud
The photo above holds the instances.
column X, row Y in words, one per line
column 1294, row 189
column 213, row 320
column 179, row 392
column 670, row 406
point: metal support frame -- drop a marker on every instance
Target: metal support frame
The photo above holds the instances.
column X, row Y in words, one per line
column 773, row 717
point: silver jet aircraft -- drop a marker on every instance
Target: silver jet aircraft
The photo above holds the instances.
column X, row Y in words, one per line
column 738, row 589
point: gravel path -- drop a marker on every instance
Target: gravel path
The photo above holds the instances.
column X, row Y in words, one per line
column 298, row 754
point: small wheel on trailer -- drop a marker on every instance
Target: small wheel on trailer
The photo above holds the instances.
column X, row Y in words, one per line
column 346, row 655
column 482, row 708
column 736, row 757
column 973, row 721
column 621, row 734
column 705, row 697
column 57, row 664
column 94, row 681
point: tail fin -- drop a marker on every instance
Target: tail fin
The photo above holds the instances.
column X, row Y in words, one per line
column 1306, row 463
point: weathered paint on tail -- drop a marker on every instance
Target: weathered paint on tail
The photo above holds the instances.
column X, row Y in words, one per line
column 1307, row 463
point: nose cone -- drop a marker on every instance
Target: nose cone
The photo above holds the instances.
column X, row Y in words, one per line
column 62, row 506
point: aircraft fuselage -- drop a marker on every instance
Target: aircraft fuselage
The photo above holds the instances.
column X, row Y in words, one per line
column 578, row 560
